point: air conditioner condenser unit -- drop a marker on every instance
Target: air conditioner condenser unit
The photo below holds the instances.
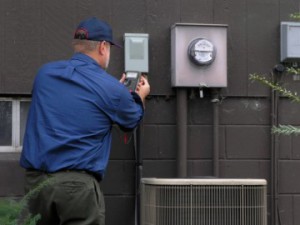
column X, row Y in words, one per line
column 203, row 201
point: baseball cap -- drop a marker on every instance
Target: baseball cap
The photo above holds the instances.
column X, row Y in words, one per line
column 95, row 29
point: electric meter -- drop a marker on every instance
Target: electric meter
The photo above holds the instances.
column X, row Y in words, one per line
column 201, row 51
column 199, row 55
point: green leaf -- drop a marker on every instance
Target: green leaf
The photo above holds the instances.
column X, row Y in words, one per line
column 286, row 130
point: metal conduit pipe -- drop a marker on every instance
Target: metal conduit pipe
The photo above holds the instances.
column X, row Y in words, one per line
column 215, row 100
column 138, row 172
column 276, row 76
column 274, row 163
column 181, row 132
column 274, row 141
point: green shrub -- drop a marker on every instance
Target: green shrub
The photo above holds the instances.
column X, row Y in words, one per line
column 15, row 212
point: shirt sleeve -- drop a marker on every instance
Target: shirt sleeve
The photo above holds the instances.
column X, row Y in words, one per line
column 130, row 111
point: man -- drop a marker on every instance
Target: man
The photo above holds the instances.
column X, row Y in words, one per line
column 68, row 134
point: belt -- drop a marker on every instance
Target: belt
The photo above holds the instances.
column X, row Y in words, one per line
column 95, row 175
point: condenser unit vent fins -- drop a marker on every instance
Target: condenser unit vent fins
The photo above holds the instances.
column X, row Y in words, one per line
column 203, row 202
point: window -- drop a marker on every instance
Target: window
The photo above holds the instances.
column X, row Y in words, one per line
column 13, row 116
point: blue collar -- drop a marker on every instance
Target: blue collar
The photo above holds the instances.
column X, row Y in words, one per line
column 84, row 58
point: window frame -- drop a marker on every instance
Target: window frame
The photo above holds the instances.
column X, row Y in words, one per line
column 16, row 124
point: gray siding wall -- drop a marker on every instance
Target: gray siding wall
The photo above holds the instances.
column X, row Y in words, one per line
column 34, row 32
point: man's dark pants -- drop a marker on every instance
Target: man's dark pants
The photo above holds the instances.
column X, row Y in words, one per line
column 70, row 198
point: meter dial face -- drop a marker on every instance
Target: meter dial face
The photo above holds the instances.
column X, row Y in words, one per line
column 202, row 52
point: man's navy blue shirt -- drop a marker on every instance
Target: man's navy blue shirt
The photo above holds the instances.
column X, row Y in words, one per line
column 74, row 105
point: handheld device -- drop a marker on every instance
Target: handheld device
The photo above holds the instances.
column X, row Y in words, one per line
column 132, row 79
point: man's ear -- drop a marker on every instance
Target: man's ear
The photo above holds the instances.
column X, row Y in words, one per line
column 101, row 48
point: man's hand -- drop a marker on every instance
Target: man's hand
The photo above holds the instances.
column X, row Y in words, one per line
column 123, row 78
column 143, row 88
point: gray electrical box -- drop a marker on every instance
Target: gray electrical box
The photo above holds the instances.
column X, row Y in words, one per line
column 136, row 52
column 198, row 55
column 290, row 41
